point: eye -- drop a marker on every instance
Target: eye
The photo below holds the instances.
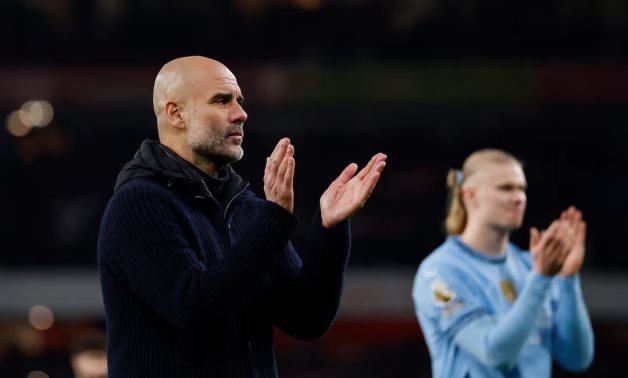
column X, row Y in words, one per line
column 221, row 99
column 512, row 188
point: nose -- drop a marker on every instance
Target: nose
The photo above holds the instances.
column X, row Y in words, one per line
column 519, row 197
column 238, row 115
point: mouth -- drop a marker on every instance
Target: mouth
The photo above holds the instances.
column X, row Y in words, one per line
column 234, row 131
column 235, row 134
column 516, row 214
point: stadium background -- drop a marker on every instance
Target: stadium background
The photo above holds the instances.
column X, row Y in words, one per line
column 424, row 81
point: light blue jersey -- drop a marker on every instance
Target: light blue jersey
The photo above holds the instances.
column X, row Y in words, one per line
column 491, row 316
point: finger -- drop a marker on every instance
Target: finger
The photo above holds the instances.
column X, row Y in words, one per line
column 552, row 229
column 278, row 153
column 283, row 166
column 288, row 178
column 577, row 217
column 550, row 246
column 278, row 159
column 346, row 174
column 567, row 216
column 570, row 229
column 581, row 233
column 548, row 237
column 372, row 163
column 572, row 209
column 267, row 167
column 379, row 166
column 371, row 181
column 566, row 238
column 373, row 177
column 561, row 231
column 271, row 175
column 554, row 249
column 283, row 142
column 577, row 214
column 267, row 172
column 280, row 150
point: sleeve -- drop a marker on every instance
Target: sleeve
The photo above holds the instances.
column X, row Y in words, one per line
column 498, row 343
column 144, row 245
column 306, row 292
column 444, row 297
column 573, row 334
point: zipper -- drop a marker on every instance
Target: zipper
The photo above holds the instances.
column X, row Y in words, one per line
column 207, row 190
column 254, row 372
column 224, row 215
column 231, row 200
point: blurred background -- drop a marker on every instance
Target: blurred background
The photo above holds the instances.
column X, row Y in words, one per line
column 425, row 81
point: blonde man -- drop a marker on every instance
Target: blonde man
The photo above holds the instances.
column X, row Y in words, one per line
column 489, row 309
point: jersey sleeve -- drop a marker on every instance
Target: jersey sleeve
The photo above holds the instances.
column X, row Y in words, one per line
column 443, row 296
column 498, row 343
column 573, row 334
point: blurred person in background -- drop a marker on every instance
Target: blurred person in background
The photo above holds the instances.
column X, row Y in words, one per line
column 88, row 357
column 487, row 308
column 195, row 268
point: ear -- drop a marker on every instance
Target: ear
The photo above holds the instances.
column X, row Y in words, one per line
column 174, row 114
column 467, row 195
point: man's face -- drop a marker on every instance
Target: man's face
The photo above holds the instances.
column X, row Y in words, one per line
column 500, row 196
column 215, row 118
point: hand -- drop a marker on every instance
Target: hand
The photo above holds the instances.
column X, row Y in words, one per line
column 279, row 175
column 574, row 259
column 550, row 248
column 348, row 193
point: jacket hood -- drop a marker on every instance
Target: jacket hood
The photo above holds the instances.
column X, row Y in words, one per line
column 155, row 160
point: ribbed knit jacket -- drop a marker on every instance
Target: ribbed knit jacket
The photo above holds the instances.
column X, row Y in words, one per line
column 192, row 289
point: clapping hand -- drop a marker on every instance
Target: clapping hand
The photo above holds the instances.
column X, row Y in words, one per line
column 279, row 175
column 575, row 257
column 348, row 193
column 560, row 248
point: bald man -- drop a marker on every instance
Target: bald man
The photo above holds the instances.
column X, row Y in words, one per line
column 195, row 268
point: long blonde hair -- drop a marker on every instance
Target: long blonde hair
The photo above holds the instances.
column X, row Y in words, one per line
column 456, row 220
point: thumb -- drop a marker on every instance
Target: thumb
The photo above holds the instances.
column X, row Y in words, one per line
column 535, row 236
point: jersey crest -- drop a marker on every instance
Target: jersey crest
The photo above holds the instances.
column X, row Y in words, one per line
column 508, row 290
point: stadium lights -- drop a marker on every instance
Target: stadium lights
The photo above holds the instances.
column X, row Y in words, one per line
column 33, row 113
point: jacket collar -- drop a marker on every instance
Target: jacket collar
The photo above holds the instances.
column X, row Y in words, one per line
column 157, row 161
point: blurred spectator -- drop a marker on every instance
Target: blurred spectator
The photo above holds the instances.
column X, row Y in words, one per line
column 88, row 356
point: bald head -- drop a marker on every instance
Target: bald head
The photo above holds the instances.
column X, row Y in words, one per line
column 184, row 77
column 198, row 105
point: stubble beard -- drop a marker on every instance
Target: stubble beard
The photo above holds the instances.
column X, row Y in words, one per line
column 212, row 145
